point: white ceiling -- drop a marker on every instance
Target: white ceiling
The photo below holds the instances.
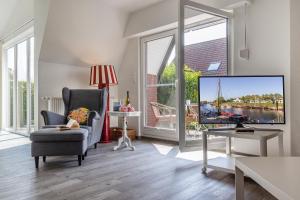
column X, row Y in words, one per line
column 131, row 5
column 6, row 9
column 13, row 14
column 84, row 33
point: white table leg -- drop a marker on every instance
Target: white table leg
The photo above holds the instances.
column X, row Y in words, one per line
column 128, row 141
column 280, row 145
column 228, row 145
column 204, row 144
column 263, row 147
column 120, row 142
column 124, row 139
column 239, row 184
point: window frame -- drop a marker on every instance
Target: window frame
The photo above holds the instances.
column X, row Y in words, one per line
column 13, row 43
column 153, row 132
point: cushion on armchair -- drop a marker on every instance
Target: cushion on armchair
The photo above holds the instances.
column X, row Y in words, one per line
column 80, row 115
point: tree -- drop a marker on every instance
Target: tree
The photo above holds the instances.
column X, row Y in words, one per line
column 165, row 93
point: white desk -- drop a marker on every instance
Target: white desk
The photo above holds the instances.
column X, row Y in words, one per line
column 124, row 140
column 227, row 164
column 278, row 175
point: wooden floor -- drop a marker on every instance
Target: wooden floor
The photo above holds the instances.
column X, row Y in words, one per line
column 123, row 175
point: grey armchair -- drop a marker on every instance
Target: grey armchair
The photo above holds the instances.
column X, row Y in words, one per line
column 94, row 100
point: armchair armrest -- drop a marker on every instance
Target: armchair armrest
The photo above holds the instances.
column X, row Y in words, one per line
column 96, row 122
column 51, row 118
column 93, row 115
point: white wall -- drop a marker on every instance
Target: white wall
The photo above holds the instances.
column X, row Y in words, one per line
column 295, row 76
column 128, row 78
column 41, row 9
column 40, row 19
column 76, row 34
column 269, row 44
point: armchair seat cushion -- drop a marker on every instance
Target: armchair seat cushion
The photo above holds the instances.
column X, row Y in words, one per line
column 55, row 135
column 89, row 128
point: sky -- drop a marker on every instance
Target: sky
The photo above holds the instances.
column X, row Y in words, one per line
column 233, row 87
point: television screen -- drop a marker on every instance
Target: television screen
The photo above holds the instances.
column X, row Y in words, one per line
column 241, row 99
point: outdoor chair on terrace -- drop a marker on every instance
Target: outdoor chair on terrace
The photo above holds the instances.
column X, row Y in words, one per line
column 164, row 113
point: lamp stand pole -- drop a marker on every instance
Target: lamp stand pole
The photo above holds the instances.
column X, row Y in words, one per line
column 106, row 125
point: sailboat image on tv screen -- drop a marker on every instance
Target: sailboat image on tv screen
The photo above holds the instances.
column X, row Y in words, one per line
column 221, row 114
column 235, row 100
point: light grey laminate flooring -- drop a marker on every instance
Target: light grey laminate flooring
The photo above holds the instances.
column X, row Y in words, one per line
column 153, row 171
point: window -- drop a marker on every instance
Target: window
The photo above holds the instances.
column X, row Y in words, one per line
column 160, row 84
column 214, row 66
column 18, row 76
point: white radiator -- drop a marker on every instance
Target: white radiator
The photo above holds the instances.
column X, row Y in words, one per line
column 55, row 104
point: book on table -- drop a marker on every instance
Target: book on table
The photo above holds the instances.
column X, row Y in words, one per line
column 72, row 124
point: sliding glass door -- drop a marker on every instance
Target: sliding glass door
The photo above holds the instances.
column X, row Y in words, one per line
column 171, row 63
column 203, row 50
column 18, row 87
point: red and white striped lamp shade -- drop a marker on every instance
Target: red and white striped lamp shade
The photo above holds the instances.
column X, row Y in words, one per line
column 103, row 75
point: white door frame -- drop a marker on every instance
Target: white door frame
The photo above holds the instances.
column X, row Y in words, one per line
column 180, row 59
column 160, row 133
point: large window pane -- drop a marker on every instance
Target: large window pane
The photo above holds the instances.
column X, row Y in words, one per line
column 22, row 90
column 160, row 83
column 10, row 86
column 32, row 82
column 205, row 54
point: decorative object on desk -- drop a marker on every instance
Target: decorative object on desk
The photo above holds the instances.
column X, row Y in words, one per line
column 127, row 100
column 127, row 107
column 80, row 115
column 116, row 105
column 104, row 76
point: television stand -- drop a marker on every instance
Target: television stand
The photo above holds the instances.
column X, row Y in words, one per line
column 227, row 163
column 240, row 128
column 247, row 130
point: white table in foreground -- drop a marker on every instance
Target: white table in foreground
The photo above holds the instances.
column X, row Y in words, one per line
column 227, row 164
column 278, row 175
column 124, row 140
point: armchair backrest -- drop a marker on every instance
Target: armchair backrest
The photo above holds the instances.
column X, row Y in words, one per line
column 94, row 100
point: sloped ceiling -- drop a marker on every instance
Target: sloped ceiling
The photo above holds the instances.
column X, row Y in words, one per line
column 83, row 33
column 13, row 14
column 88, row 32
column 131, row 5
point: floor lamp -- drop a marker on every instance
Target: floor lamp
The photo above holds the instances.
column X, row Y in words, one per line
column 104, row 76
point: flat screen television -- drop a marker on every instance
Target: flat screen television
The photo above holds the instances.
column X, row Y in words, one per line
column 241, row 100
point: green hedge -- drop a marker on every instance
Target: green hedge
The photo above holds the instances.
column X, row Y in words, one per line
column 166, row 94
